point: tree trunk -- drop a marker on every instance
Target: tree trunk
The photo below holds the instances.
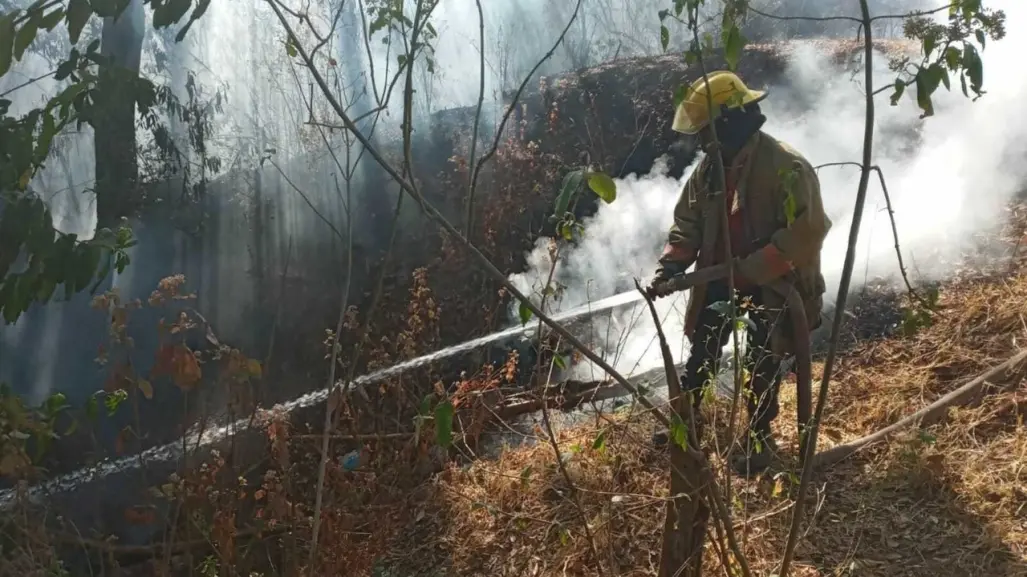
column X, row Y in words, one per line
column 684, row 528
column 114, row 136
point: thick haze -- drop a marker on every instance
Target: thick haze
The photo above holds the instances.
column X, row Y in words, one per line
column 237, row 49
column 956, row 183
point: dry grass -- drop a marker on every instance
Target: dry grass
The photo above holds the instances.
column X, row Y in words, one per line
column 948, row 500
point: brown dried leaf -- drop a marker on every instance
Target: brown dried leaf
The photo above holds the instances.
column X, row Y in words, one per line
column 185, row 368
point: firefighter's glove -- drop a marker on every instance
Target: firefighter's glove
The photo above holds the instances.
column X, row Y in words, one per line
column 664, row 272
column 668, row 270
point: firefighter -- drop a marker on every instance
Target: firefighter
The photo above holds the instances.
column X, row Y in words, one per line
column 777, row 227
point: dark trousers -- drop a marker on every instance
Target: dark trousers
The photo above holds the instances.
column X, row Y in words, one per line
column 712, row 332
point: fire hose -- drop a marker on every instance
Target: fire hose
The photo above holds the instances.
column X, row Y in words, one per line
column 799, row 324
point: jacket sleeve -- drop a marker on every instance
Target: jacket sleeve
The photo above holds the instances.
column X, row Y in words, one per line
column 799, row 242
column 685, row 235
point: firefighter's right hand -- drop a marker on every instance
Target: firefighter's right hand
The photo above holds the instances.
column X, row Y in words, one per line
column 664, row 272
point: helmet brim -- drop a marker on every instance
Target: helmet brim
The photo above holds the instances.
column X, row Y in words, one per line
column 684, row 125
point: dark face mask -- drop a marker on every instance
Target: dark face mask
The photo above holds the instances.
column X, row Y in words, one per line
column 735, row 126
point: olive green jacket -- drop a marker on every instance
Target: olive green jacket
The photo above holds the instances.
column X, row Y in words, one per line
column 778, row 194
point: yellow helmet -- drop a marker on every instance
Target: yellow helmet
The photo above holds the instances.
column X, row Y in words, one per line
column 726, row 89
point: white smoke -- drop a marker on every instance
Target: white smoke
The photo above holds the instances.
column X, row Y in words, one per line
column 952, row 182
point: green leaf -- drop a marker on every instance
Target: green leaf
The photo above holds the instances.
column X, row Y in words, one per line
column 113, row 400
column 663, row 14
column 952, row 57
column 559, row 362
column 974, row 68
column 930, row 41
column 664, row 37
column 290, row 48
column 788, row 177
column 733, row 44
column 524, row 313
column 604, row 186
column 51, row 20
column 923, row 94
column 723, row 308
column 566, row 229
column 679, row 432
column 46, row 135
column 599, row 444
column 444, row 424
column 78, row 14
column 46, row 289
column 745, row 323
column 92, row 408
column 900, row 89
column 176, row 9
column 980, row 37
column 25, row 36
column 6, row 42
column 680, row 94
column 571, row 185
column 89, row 260
column 790, row 208
column 55, row 403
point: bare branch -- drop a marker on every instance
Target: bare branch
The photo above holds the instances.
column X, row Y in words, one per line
column 513, row 104
column 469, row 211
column 894, row 228
column 843, row 293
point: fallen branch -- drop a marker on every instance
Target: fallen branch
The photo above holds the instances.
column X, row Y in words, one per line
column 1009, row 371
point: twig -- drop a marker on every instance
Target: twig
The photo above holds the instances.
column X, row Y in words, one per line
column 847, row 18
column 278, row 307
column 1008, row 371
column 27, row 83
column 843, row 293
column 303, row 195
column 551, row 434
column 513, row 104
column 718, row 195
column 343, row 305
column 358, row 437
column 469, row 211
column 894, row 229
